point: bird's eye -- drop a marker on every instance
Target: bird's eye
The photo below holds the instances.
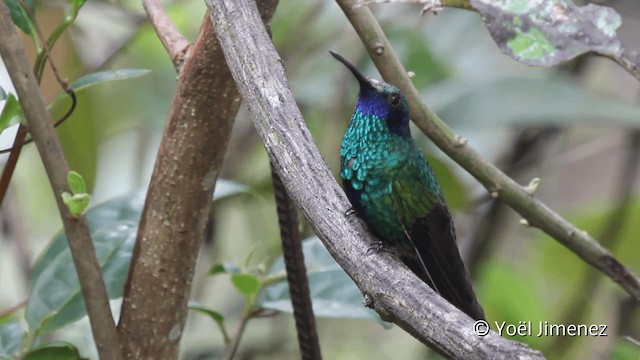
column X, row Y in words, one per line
column 394, row 99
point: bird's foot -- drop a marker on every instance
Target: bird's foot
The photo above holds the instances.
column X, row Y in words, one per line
column 350, row 211
column 379, row 246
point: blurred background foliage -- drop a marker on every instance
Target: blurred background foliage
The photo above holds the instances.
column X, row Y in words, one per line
column 573, row 126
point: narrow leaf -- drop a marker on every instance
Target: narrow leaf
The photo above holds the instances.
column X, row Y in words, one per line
column 216, row 316
column 105, row 76
column 55, row 299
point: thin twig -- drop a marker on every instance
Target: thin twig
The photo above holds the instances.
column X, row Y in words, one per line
column 232, row 348
column 495, row 181
column 10, row 166
column 19, row 141
column 45, row 47
column 77, row 230
column 169, row 35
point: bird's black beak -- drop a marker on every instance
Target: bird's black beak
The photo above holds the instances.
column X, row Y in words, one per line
column 364, row 81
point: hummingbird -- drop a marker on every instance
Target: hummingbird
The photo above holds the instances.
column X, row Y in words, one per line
column 393, row 189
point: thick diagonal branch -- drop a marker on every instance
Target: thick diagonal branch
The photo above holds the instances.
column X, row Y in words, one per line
column 392, row 290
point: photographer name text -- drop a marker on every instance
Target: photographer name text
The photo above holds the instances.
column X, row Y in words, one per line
column 544, row 328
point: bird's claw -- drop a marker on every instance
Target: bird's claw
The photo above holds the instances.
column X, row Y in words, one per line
column 377, row 247
column 350, row 211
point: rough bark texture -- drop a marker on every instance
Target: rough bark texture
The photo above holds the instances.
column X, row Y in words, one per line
column 44, row 135
column 390, row 288
column 178, row 201
column 177, row 207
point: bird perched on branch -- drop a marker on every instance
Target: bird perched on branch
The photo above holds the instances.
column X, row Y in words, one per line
column 394, row 190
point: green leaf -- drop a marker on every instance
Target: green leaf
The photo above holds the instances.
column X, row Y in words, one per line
column 10, row 338
column 76, row 203
column 544, row 33
column 216, row 316
column 3, row 94
column 121, row 210
column 11, row 113
column 521, row 101
column 126, row 208
column 76, row 183
column 333, row 293
column 55, row 299
column 54, row 351
column 105, row 76
column 247, row 284
column 224, row 268
column 55, row 293
column 20, row 16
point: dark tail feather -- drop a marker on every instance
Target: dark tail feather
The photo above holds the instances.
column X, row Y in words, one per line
column 437, row 261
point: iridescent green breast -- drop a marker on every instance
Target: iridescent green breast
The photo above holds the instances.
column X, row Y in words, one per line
column 371, row 158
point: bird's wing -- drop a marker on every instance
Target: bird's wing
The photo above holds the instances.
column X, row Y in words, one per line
column 429, row 229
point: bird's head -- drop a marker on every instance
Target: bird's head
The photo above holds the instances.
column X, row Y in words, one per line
column 380, row 99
